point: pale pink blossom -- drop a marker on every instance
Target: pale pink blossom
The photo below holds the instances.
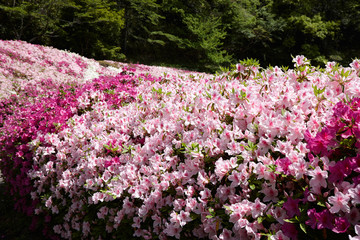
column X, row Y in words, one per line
column 279, row 236
column 257, row 208
column 339, row 202
column 357, row 231
column 222, row 167
column 318, row 179
column 226, row 235
column 355, row 194
column 270, row 193
column 173, row 230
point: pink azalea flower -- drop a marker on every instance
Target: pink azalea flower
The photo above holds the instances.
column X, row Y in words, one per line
column 355, row 194
column 173, row 230
column 353, row 216
column 283, row 165
column 336, row 172
column 339, row 202
column 270, row 193
column 300, row 168
column 258, row 208
column 279, row 236
column 322, row 141
column 222, row 168
column 136, row 222
column 357, row 231
column 205, row 194
column 184, row 217
column 102, row 212
column 226, row 235
column 318, row 179
column 300, row 60
column 223, row 193
column 191, row 204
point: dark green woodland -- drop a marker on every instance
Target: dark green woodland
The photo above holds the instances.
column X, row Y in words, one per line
column 199, row 35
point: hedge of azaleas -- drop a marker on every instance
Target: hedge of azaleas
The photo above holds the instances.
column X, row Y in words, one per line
column 249, row 154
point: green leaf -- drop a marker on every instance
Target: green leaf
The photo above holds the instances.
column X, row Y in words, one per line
column 291, row 220
column 303, row 227
column 243, row 95
column 249, row 62
column 318, row 91
column 211, row 210
column 260, row 219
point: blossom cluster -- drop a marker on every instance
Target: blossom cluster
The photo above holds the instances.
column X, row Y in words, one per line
column 246, row 154
column 36, row 92
column 334, row 185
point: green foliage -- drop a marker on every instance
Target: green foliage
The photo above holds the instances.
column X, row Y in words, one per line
column 250, row 62
column 34, row 21
column 315, row 26
column 203, row 35
column 185, row 33
column 252, row 28
column 141, row 20
column 91, row 28
column 208, row 36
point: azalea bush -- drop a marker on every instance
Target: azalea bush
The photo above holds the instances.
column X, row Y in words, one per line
column 37, row 92
column 251, row 153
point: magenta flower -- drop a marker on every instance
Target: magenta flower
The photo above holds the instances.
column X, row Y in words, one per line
column 325, row 219
column 312, row 221
column 283, row 165
column 343, row 111
column 289, row 230
column 322, row 142
column 292, row 207
column 341, row 225
column 336, row 173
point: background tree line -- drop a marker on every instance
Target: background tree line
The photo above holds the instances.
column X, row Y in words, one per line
column 201, row 35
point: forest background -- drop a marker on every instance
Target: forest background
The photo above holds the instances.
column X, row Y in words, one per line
column 201, row 35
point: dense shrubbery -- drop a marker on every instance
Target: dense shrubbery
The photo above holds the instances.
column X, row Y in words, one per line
column 250, row 153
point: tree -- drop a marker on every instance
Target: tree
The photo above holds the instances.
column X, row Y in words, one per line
column 252, row 28
column 34, row 21
column 192, row 33
column 92, row 28
column 89, row 27
column 312, row 28
column 141, row 17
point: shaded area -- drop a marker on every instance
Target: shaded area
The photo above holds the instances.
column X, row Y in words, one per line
column 14, row 225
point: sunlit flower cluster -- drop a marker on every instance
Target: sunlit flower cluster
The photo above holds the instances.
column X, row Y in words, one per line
column 247, row 154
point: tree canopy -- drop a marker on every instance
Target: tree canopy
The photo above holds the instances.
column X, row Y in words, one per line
column 201, row 35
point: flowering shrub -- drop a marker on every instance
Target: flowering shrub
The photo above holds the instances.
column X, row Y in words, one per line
column 248, row 154
column 334, row 195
